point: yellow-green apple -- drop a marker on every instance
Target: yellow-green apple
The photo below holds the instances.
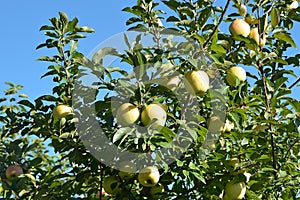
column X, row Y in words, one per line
column 239, row 27
column 12, row 172
column 235, row 190
column 156, row 191
column 215, row 124
column 127, row 114
column 111, row 185
column 155, row 115
column 228, row 126
column 62, row 110
column 149, row 176
column 255, row 36
column 234, row 74
column 242, row 9
column 127, row 170
column 196, row 82
column 171, row 83
column 293, row 5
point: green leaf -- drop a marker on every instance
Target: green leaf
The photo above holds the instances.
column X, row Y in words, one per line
column 63, row 18
column 86, row 29
column 121, row 133
column 275, row 17
column 285, row 37
column 51, row 34
column 218, row 48
column 174, row 5
column 73, row 46
column 72, row 25
column 204, row 15
column 46, row 28
column 199, row 177
column 27, row 103
column 23, row 96
column 172, row 19
column 47, row 59
column 98, row 56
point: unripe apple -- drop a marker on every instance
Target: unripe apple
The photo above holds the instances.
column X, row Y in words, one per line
column 239, row 27
column 111, row 185
column 62, row 110
column 149, row 176
column 154, row 113
column 255, row 35
column 196, row 82
column 127, row 114
column 127, row 170
column 235, row 190
column 235, row 73
column 156, row 191
column 13, row 171
column 215, row 124
column 293, row 5
column 228, row 126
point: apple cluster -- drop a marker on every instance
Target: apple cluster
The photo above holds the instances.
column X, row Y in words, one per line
column 148, row 177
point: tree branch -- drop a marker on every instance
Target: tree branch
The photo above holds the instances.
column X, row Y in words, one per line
column 266, row 92
column 220, row 21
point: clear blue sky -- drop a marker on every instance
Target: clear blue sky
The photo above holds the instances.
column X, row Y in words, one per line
column 20, row 22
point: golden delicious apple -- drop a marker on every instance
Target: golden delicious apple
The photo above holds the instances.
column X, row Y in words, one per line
column 154, row 113
column 235, row 190
column 234, row 74
column 127, row 114
column 196, row 82
column 62, row 110
column 255, row 35
column 111, row 185
column 156, row 191
column 228, row 126
column 149, row 176
column 172, row 83
column 215, row 124
column 239, row 27
column 13, row 171
column 127, row 170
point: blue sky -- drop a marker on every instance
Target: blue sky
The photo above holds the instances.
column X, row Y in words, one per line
column 20, row 22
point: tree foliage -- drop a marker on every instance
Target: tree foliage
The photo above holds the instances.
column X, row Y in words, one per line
column 266, row 117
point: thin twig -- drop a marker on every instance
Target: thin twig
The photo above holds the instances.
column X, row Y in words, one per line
column 289, row 149
column 220, row 21
column 295, row 83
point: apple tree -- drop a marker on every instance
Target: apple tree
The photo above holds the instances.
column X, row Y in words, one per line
column 211, row 115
